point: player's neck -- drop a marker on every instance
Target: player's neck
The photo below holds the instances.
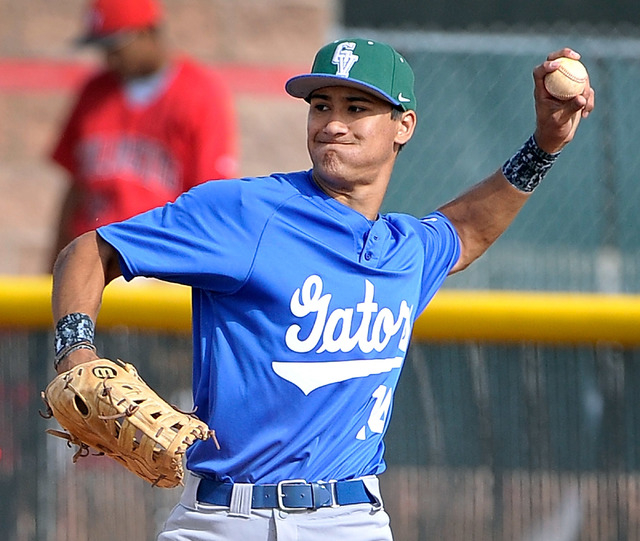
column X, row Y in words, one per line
column 361, row 197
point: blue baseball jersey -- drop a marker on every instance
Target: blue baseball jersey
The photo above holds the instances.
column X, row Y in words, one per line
column 302, row 314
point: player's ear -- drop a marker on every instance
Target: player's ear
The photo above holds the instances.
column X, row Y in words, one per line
column 406, row 127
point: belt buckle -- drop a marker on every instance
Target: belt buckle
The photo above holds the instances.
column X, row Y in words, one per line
column 280, row 493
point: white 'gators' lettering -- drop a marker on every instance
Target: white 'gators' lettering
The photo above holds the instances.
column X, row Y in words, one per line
column 332, row 332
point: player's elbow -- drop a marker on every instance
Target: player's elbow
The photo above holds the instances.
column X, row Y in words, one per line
column 472, row 246
column 87, row 253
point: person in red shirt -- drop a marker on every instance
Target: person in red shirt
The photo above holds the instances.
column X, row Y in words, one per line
column 147, row 127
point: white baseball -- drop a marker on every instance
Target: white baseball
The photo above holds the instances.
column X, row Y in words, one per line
column 568, row 80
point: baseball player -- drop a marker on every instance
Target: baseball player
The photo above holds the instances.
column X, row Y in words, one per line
column 304, row 298
column 144, row 129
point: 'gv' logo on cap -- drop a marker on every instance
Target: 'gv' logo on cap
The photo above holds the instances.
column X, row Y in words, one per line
column 344, row 58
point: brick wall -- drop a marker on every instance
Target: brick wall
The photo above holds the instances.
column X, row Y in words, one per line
column 266, row 38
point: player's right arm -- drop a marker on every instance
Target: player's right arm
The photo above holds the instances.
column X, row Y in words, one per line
column 483, row 213
column 81, row 272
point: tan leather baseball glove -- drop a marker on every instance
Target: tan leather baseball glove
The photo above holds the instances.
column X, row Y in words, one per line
column 107, row 406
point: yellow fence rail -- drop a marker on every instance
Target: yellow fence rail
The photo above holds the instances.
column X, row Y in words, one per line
column 490, row 316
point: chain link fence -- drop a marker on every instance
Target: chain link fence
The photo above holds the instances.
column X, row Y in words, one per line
column 524, row 442
column 475, row 108
column 44, row 495
column 487, row 443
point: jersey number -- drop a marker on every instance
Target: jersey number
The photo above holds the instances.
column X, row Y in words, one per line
column 380, row 410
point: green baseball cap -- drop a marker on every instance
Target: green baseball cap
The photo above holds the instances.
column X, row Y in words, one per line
column 372, row 66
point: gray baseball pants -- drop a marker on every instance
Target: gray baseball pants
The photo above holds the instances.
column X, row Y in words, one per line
column 194, row 521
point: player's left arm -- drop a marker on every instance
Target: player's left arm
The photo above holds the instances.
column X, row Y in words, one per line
column 481, row 214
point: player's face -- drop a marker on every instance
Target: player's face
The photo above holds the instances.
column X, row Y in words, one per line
column 135, row 54
column 352, row 137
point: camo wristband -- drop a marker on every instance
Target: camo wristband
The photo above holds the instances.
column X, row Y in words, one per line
column 527, row 167
column 73, row 331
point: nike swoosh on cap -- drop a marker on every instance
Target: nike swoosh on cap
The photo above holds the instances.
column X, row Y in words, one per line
column 402, row 98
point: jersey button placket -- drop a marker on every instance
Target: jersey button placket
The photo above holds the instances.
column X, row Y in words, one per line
column 372, row 247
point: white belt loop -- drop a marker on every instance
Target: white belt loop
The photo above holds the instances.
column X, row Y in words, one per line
column 241, row 499
column 188, row 498
column 372, row 484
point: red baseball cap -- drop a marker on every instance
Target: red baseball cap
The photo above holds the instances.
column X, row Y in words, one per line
column 106, row 18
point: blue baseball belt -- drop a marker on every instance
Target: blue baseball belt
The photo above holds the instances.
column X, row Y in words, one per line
column 292, row 494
